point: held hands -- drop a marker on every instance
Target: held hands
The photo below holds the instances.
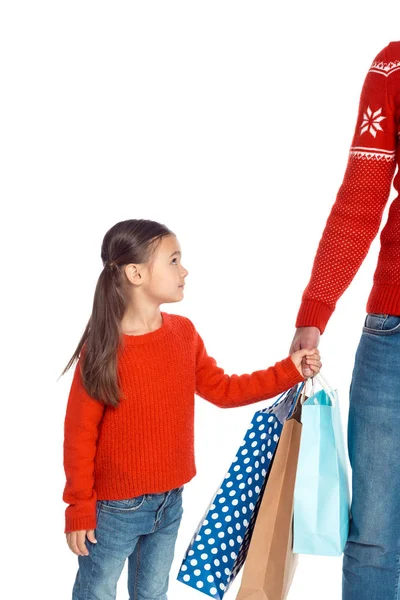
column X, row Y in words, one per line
column 76, row 541
column 305, row 338
column 307, row 361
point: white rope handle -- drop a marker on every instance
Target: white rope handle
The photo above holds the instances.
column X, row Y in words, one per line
column 325, row 386
column 323, row 382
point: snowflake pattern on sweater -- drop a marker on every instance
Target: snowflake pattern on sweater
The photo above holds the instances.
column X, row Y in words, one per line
column 372, row 121
column 356, row 214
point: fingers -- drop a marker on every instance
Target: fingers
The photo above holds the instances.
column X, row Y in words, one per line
column 310, row 362
column 314, row 352
column 76, row 542
column 313, row 359
column 81, row 543
column 313, row 362
column 307, row 352
column 71, row 540
column 90, row 536
column 313, row 366
column 309, row 358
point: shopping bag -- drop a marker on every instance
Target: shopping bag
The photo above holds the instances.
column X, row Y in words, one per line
column 219, row 545
column 322, row 491
column 270, row 563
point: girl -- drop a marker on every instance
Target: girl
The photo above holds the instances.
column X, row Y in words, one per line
column 129, row 424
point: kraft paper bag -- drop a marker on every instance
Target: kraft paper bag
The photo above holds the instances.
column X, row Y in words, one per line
column 218, row 548
column 271, row 564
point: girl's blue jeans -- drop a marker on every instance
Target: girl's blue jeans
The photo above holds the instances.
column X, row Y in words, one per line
column 371, row 561
column 143, row 530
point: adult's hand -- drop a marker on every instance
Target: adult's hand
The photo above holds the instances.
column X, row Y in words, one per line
column 305, row 337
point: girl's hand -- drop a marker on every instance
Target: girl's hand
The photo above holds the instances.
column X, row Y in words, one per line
column 307, row 359
column 76, row 541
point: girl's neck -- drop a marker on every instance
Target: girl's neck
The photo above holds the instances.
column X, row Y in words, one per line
column 149, row 336
column 141, row 327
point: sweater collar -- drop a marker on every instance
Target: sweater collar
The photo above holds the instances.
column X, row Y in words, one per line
column 151, row 336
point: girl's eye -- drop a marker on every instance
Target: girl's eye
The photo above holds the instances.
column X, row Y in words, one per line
column 174, row 259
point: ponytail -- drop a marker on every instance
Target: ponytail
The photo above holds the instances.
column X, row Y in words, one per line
column 98, row 347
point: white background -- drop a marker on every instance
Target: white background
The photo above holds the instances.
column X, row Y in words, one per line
column 230, row 122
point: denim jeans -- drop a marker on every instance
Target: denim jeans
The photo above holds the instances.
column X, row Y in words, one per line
column 371, row 560
column 143, row 530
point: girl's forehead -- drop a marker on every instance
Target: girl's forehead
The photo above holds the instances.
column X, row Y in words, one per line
column 169, row 246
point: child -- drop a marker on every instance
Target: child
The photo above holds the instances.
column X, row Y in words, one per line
column 129, row 424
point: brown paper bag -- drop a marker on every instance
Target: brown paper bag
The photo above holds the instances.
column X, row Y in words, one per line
column 270, row 564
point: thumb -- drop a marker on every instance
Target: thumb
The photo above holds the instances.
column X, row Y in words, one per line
column 90, row 536
column 306, row 351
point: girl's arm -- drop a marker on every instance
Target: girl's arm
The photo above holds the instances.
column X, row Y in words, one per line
column 229, row 391
column 82, row 418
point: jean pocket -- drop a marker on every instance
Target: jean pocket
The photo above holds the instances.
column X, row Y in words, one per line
column 381, row 324
column 98, row 508
column 128, row 505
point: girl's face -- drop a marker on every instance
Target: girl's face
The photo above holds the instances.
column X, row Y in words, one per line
column 165, row 279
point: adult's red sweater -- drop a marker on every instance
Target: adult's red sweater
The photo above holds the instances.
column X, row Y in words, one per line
column 356, row 215
column 146, row 444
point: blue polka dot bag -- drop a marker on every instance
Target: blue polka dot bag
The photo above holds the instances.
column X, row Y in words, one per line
column 220, row 543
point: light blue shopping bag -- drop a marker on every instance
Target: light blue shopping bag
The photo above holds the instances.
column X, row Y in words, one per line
column 220, row 543
column 322, row 494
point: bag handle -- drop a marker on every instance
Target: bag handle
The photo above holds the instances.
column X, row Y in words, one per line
column 325, row 386
column 298, row 401
column 284, row 394
column 302, row 396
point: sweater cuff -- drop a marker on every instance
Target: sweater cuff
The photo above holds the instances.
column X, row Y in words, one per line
column 79, row 523
column 290, row 372
column 313, row 313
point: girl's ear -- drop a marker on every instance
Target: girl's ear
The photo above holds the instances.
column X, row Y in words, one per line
column 133, row 273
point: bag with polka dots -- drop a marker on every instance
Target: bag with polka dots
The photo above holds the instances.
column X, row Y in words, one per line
column 219, row 546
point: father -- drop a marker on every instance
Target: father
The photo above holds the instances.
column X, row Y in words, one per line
column 371, row 561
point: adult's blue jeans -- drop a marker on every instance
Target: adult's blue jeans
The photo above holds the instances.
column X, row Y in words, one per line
column 371, row 560
column 143, row 530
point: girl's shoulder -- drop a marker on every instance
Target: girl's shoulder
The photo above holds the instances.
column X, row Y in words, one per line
column 180, row 321
column 177, row 318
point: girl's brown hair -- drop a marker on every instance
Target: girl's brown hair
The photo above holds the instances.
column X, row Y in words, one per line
column 131, row 241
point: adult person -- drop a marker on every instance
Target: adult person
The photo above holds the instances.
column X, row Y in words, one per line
column 371, row 560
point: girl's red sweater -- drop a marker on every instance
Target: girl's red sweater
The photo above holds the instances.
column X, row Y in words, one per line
column 356, row 215
column 146, row 444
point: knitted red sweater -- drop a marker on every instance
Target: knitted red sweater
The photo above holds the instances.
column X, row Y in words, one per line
column 146, row 444
column 356, row 215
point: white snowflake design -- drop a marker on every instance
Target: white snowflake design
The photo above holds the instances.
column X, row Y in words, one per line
column 372, row 121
